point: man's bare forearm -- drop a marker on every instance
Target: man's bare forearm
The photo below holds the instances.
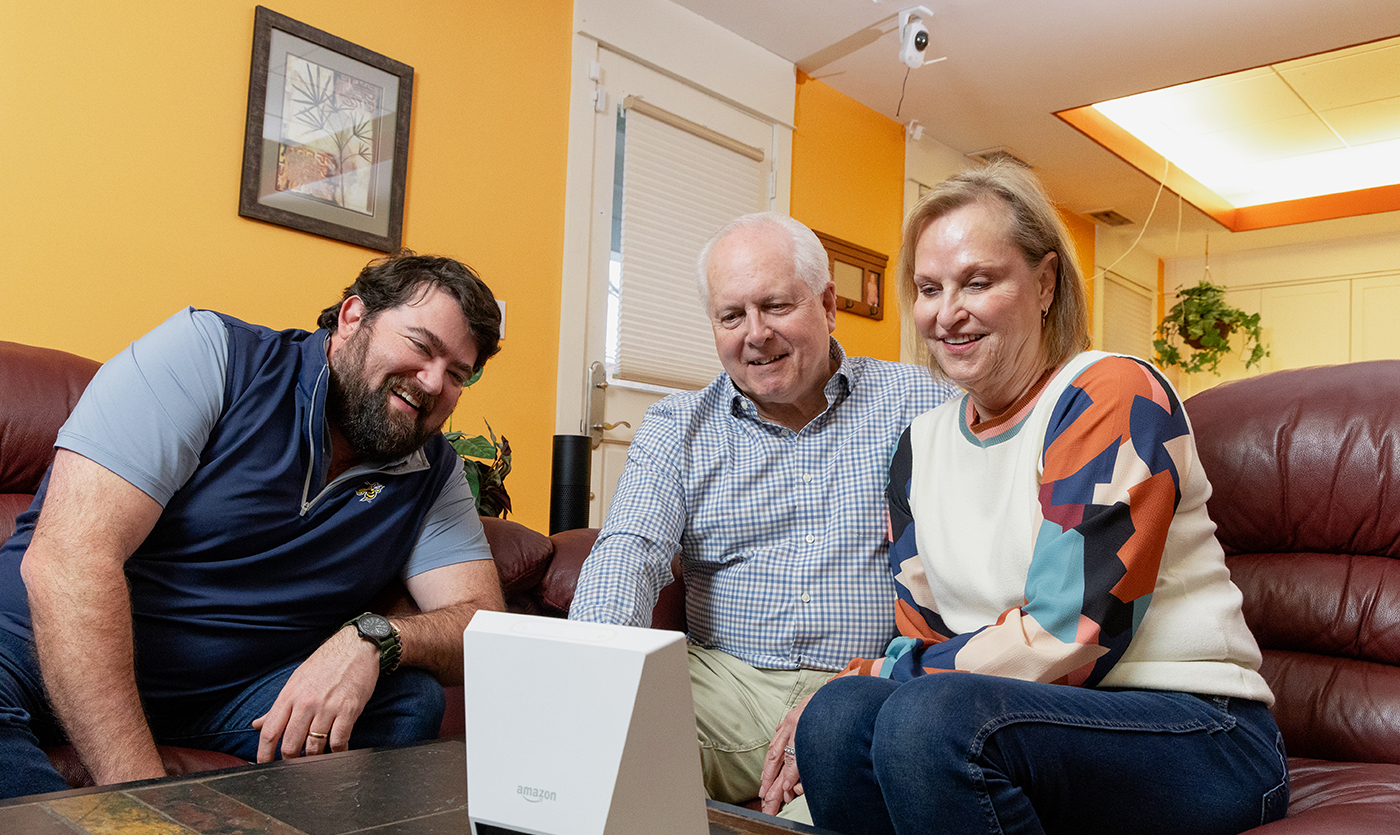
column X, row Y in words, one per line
column 89, row 672
column 81, row 608
column 433, row 640
column 449, row 597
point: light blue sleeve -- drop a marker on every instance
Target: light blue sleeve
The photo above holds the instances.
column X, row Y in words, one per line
column 452, row 533
column 148, row 413
column 630, row 563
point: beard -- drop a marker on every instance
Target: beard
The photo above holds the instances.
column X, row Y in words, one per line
column 362, row 412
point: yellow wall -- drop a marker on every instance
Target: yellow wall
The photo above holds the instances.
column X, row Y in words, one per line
column 1081, row 234
column 848, row 181
column 123, row 163
column 123, row 148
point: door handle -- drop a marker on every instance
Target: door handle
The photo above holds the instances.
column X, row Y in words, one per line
column 606, row 427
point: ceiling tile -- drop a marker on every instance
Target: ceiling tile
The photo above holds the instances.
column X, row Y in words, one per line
column 1224, row 103
column 1291, row 137
column 1328, row 172
column 1375, row 121
column 1351, row 76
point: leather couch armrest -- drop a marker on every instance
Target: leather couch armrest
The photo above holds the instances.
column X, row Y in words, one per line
column 522, row 555
column 571, row 549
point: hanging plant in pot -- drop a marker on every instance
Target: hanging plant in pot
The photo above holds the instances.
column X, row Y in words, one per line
column 1204, row 323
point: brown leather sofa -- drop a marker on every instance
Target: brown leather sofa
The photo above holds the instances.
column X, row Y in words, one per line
column 1306, row 470
column 1305, row 467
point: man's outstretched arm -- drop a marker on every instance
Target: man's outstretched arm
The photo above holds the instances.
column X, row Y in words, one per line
column 91, row 523
column 329, row 690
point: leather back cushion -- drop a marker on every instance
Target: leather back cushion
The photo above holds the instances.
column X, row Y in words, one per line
column 521, row 554
column 1305, row 468
column 1305, row 460
column 38, row 387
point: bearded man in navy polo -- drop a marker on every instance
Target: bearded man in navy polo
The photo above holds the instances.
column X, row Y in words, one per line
column 225, row 502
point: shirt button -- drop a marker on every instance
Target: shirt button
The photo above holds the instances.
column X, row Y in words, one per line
column 806, row 598
column 811, row 539
column 807, row 478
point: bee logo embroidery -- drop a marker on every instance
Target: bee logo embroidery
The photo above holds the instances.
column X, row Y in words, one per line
column 369, row 491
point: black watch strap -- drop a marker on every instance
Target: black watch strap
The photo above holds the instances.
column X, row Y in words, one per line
column 378, row 630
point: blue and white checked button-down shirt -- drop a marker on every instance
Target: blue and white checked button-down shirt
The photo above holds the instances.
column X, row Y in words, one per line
column 782, row 533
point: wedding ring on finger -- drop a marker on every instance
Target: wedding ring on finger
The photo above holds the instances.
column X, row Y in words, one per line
column 314, row 735
column 790, row 751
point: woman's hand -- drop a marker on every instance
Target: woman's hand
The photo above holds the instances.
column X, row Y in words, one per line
column 780, row 783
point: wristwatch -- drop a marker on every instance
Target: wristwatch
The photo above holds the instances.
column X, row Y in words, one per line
column 379, row 631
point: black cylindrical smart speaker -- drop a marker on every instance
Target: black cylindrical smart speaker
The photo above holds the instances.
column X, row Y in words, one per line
column 569, row 483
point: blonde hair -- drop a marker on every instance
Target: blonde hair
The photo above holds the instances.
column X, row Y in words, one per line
column 1035, row 228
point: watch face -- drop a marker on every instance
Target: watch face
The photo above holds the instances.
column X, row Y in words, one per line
column 374, row 626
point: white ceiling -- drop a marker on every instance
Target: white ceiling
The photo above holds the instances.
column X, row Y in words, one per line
column 1011, row 64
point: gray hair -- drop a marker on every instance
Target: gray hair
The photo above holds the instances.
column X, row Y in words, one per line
column 809, row 260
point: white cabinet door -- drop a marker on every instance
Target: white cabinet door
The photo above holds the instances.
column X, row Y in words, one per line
column 1303, row 324
column 1307, row 324
column 1374, row 331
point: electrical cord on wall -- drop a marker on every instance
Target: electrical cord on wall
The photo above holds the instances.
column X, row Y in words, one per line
column 1162, row 184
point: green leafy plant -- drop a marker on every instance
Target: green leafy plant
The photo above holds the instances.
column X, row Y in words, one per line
column 486, row 463
column 1202, row 322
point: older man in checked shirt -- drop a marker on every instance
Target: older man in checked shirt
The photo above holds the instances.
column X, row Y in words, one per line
column 770, row 484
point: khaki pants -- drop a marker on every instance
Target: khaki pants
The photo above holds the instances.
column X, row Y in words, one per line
column 737, row 709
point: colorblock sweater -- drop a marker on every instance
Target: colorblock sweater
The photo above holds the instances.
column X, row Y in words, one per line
column 1068, row 543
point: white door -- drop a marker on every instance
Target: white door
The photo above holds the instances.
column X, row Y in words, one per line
column 1307, row 324
column 644, row 232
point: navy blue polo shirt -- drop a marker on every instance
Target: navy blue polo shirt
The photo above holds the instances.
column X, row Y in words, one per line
column 255, row 559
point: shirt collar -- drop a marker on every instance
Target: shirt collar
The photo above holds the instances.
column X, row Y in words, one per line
column 837, row 389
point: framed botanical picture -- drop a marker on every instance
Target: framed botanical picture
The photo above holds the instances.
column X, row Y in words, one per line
column 325, row 149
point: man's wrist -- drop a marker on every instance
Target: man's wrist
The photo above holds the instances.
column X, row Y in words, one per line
column 383, row 635
column 600, row 614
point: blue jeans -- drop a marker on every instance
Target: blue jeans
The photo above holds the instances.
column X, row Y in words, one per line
column 406, row 707
column 964, row 753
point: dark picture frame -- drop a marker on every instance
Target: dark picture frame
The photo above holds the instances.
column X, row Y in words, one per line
column 325, row 147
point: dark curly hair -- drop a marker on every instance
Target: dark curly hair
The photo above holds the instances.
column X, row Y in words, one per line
column 399, row 278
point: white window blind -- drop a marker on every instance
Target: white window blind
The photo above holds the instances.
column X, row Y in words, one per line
column 1128, row 321
column 677, row 189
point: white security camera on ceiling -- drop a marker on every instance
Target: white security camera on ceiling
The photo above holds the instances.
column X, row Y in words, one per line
column 913, row 35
